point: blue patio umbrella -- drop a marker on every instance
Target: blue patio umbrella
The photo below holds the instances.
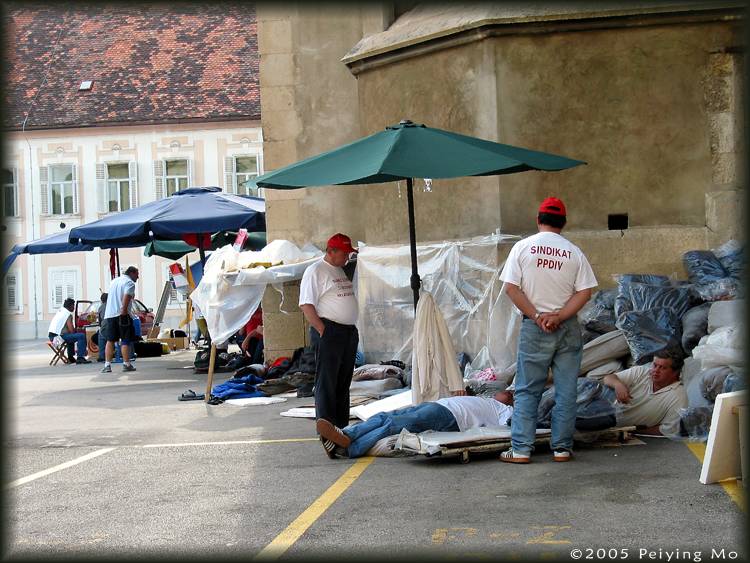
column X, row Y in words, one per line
column 189, row 211
column 56, row 243
column 50, row 244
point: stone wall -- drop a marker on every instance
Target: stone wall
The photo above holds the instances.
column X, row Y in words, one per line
column 655, row 110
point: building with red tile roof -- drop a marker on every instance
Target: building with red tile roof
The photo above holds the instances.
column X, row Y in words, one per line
column 109, row 106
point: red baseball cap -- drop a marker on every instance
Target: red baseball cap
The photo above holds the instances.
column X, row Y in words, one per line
column 553, row 206
column 340, row 241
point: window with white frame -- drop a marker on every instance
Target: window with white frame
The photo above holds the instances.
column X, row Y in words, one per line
column 171, row 175
column 9, row 193
column 176, row 176
column 239, row 169
column 62, row 189
column 116, row 186
column 12, row 301
column 63, row 283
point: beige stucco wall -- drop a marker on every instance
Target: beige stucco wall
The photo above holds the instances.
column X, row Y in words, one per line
column 656, row 111
column 309, row 104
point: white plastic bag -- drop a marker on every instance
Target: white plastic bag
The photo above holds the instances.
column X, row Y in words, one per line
column 723, row 347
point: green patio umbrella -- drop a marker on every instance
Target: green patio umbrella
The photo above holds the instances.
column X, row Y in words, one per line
column 176, row 249
column 406, row 151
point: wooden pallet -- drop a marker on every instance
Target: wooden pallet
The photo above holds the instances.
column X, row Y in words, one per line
column 465, row 449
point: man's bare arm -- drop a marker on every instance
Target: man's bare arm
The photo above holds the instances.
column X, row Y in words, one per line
column 520, row 300
column 311, row 314
column 621, row 390
column 569, row 310
column 126, row 304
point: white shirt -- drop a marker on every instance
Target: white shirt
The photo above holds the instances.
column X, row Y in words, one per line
column 473, row 412
column 118, row 289
column 327, row 288
column 59, row 320
column 648, row 407
column 549, row 269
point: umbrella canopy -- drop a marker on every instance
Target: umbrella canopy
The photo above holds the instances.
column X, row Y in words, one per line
column 176, row 249
column 189, row 211
column 50, row 244
column 406, row 151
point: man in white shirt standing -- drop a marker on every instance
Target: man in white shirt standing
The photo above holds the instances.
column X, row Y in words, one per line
column 118, row 321
column 548, row 279
column 62, row 325
column 327, row 300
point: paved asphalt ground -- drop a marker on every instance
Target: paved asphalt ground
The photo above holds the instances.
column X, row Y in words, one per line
column 192, row 480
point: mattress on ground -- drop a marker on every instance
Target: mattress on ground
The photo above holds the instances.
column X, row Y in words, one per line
column 430, row 442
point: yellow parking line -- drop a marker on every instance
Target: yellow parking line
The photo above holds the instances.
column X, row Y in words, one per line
column 735, row 491
column 286, row 539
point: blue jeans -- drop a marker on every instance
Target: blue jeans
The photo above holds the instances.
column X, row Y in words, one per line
column 418, row 418
column 537, row 352
column 102, row 344
column 79, row 339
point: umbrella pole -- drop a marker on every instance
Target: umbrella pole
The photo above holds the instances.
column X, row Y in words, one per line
column 210, row 378
column 117, row 258
column 415, row 281
column 201, row 252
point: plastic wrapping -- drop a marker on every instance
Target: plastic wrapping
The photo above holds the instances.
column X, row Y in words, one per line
column 464, row 280
column 712, row 381
column 598, row 315
column 695, row 422
column 711, row 280
column 594, row 401
column 726, row 313
column 734, row 382
column 723, row 347
column 228, row 296
column 650, row 331
column 732, row 258
column 623, row 300
column 694, row 326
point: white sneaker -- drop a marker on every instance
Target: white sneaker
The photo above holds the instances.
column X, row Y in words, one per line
column 561, row 455
column 509, row 456
column 106, row 369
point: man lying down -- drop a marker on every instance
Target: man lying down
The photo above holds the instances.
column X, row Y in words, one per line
column 452, row 414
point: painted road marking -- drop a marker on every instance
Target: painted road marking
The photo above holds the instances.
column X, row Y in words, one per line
column 229, row 443
column 288, row 537
column 731, row 486
column 56, row 468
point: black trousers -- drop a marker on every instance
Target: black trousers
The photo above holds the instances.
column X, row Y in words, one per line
column 334, row 366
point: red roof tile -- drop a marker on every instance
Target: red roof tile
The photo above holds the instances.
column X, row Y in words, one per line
column 152, row 63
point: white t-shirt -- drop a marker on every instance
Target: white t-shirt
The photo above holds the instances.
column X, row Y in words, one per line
column 58, row 321
column 327, row 288
column 118, row 289
column 549, row 269
column 473, row 412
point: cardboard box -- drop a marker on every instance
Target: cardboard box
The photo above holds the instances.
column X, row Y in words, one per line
column 174, row 343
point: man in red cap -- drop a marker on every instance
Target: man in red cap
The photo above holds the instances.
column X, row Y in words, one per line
column 548, row 279
column 327, row 300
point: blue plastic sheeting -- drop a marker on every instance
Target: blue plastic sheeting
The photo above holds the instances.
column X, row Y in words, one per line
column 189, row 211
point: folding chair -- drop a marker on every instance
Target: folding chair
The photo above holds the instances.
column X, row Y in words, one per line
column 59, row 353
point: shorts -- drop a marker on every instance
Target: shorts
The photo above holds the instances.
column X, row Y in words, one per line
column 119, row 328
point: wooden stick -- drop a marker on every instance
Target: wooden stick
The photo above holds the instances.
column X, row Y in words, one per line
column 211, row 362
